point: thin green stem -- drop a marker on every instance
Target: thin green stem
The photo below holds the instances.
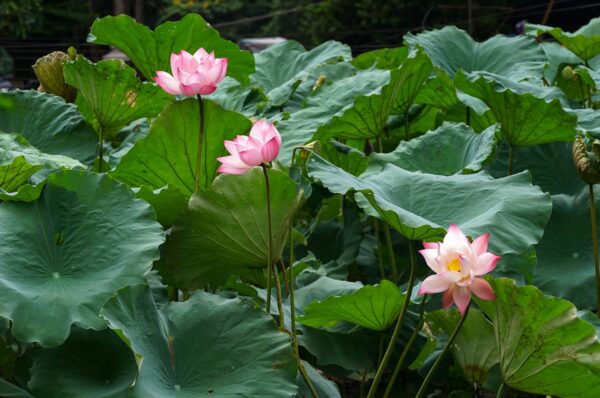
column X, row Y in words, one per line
column 437, row 362
column 510, row 159
column 200, row 142
column 279, row 297
column 379, row 248
column 396, row 333
column 595, row 245
column 390, row 247
column 406, row 349
column 100, row 148
column 270, row 239
column 283, row 276
column 500, row 392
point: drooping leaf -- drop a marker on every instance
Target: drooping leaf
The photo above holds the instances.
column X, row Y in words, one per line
column 474, row 348
column 65, row 254
column 368, row 115
column 543, row 346
column 420, row 206
column 207, row 345
column 13, row 146
column 450, row 149
column 91, row 364
column 113, row 93
column 452, row 49
column 48, row 123
column 225, row 228
column 331, row 100
column 372, row 307
column 168, row 155
column 49, row 71
column 524, row 118
column 584, row 42
column 150, row 51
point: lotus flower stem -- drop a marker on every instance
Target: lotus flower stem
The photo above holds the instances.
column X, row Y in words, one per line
column 406, row 349
column 389, row 244
column 200, row 143
column 379, row 248
column 396, row 333
column 510, row 159
column 500, row 392
column 279, row 297
column 270, row 241
column 437, row 362
column 595, row 244
column 284, row 276
column 100, row 148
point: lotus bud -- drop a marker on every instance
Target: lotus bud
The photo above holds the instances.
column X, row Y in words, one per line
column 49, row 71
column 568, row 73
column 587, row 163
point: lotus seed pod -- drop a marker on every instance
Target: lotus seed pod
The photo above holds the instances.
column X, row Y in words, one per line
column 586, row 163
column 568, row 73
column 49, row 71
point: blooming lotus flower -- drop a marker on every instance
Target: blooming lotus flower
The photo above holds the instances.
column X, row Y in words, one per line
column 246, row 151
column 458, row 265
column 193, row 74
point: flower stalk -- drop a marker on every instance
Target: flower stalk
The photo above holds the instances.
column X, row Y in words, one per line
column 200, row 144
column 270, row 238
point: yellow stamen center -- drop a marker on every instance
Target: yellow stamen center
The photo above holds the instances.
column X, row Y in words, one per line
column 454, row 265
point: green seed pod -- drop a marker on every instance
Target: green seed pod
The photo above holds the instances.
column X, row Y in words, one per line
column 49, row 71
column 568, row 73
column 587, row 163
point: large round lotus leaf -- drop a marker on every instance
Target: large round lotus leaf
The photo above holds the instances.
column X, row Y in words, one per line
column 64, row 255
column 475, row 347
column 168, row 155
column 543, row 346
column 150, row 51
column 420, row 206
column 372, row 307
column 584, row 42
column 113, row 93
column 450, row 149
column 452, row 49
column 89, row 364
column 225, row 229
column 48, row 123
column 205, row 346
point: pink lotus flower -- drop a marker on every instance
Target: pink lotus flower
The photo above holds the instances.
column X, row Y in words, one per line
column 246, row 151
column 193, row 74
column 458, row 265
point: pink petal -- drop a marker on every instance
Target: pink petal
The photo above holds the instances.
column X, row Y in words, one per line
column 207, row 89
column 174, row 63
column 187, row 62
column 438, row 283
column 200, row 54
column 216, row 72
column 191, row 90
column 480, row 245
column 462, row 298
column 226, row 169
column 260, row 131
column 252, row 156
column 447, row 299
column 431, row 258
column 482, row 289
column 485, row 263
column 431, row 245
column 167, row 83
column 455, row 237
column 270, row 150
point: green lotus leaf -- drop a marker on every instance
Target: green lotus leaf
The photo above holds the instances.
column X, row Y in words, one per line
column 344, row 156
column 206, row 345
column 525, row 119
column 12, row 391
column 331, row 100
column 113, row 93
column 49, row 71
column 383, row 58
column 420, row 206
column 372, row 307
column 450, row 149
column 474, row 348
column 452, row 49
column 280, row 83
column 48, row 123
column 543, row 346
column 65, row 254
column 150, row 51
column 584, row 42
column 224, row 230
column 323, row 386
column 16, row 173
column 168, row 155
column 89, row 364
column 368, row 115
column 168, row 203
